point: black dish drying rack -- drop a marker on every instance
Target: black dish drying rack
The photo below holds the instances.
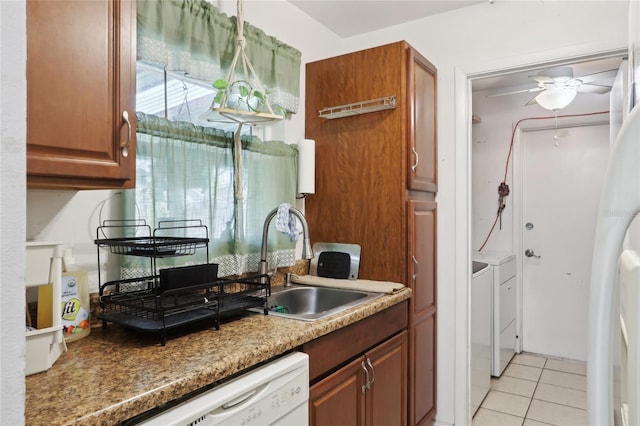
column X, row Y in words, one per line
column 150, row 310
column 143, row 304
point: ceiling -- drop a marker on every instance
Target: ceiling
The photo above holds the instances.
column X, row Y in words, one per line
column 523, row 79
column 348, row 18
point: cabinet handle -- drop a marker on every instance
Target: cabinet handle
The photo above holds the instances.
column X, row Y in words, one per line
column 415, row 273
column 373, row 373
column 125, row 147
column 415, row 165
column 366, row 375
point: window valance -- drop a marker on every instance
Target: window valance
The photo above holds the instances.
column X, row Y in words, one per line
column 194, row 38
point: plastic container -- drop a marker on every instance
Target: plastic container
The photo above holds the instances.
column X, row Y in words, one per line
column 74, row 298
column 44, row 270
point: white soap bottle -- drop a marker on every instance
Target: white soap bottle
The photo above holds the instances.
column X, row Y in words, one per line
column 75, row 300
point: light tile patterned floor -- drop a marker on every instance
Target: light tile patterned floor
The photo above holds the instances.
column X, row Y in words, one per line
column 535, row 390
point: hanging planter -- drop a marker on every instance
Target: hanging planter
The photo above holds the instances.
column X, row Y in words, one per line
column 241, row 99
column 238, row 100
column 238, row 95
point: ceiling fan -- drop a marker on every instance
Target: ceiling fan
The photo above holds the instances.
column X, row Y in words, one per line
column 558, row 87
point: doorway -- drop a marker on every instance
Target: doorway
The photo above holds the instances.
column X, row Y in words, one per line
column 484, row 187
column 499, row 154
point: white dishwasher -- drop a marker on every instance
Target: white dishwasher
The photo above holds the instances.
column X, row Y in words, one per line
column 276, row 393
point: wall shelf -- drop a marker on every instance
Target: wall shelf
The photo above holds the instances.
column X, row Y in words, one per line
column 357, row 108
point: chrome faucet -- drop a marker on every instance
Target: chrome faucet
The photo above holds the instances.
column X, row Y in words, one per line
column 307, row 252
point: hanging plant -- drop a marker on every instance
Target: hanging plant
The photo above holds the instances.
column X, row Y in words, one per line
column 241, row 96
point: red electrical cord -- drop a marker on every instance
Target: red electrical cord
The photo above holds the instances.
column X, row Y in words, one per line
column 506, row 168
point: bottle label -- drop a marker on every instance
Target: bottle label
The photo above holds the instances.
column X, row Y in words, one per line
column 70, row 309
column 75, row 317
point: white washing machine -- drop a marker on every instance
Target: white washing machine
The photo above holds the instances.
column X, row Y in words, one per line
column 504, row 305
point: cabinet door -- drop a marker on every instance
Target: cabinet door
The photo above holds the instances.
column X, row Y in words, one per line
column 339, row 399
column 423, row 374
column 80, row 80
column 422, row 255
column 422, row 123
column 387, row 395
column 422, row 316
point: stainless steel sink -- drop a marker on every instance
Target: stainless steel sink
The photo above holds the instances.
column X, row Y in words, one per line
column 308, row 303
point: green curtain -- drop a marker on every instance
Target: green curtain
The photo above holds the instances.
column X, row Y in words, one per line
column 193, row 37
column 185, row 172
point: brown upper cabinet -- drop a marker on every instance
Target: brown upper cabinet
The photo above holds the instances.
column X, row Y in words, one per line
column 81, row 94
column 422, row 126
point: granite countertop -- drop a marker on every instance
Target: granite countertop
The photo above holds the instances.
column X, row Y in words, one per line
column 115, row 374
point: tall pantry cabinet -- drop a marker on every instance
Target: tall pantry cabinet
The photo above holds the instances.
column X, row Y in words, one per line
column 372, row 114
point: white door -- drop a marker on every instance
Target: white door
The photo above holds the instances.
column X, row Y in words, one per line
column 560, row 195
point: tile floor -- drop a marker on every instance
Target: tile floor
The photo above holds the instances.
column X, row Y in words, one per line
column 535, row 390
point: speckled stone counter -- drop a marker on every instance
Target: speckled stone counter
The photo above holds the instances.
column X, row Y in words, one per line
column 115, row 374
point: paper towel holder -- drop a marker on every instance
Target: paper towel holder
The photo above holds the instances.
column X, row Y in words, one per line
column 306, row 182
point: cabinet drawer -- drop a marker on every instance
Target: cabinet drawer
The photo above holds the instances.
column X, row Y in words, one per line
column 505, row 271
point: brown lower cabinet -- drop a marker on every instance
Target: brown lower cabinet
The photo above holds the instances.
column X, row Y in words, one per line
column 359, row 373
column 371, row 390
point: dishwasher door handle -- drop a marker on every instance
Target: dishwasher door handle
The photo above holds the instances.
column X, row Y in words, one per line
column 239, row 400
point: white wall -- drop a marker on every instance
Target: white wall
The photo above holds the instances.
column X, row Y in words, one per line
column 482, row 39
column 13, row 88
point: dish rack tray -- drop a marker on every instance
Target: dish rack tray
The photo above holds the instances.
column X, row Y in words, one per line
column 117, row 236
column 138, row 304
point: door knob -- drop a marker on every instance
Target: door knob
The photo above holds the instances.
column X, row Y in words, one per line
column 530, row 253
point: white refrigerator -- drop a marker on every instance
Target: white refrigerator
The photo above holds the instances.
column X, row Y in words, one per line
column 612, row 351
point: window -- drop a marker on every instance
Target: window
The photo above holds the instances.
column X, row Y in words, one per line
column 188, row 169
column 174, row 96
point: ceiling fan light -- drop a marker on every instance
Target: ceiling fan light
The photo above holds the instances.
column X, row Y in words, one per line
column 556, row 98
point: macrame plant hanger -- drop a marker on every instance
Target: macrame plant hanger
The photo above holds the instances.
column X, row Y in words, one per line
column 250, row 116
column 222, row 112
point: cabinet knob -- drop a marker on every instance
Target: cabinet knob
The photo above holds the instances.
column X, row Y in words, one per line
column 125, row 148
column 417, row 157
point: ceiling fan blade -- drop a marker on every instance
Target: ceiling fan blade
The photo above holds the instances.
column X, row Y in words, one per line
column 542, row 78
column 594, row 88
column 532, row 101
column 534, row 89
column 553, row 75
column 604, row 75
